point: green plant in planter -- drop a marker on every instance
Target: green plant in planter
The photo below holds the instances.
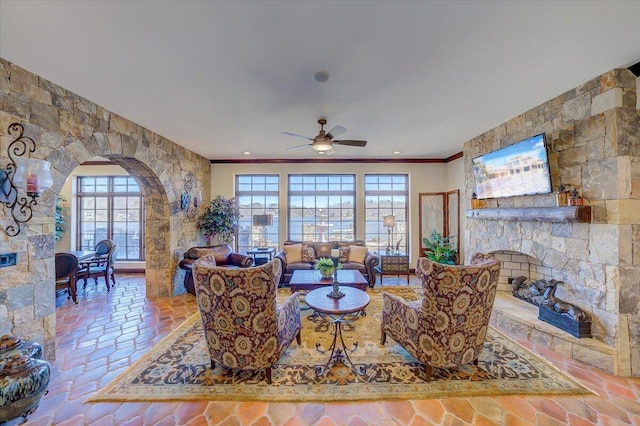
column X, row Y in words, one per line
column 326, row 267
column 439, row 249
column 219, row 219
column 61, row 209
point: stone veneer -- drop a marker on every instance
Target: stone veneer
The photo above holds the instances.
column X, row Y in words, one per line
column 593, row 137
column 69, row 130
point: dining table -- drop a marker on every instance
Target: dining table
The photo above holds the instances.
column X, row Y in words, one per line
column 81, row 254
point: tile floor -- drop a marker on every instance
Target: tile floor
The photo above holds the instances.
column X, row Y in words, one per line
column 102, row 335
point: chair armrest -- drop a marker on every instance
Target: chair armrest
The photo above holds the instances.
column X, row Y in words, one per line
column 395, row 311
column 370, row 263
column 186, row 264
column 283, row 260
column 288, row 317
column 241, row 260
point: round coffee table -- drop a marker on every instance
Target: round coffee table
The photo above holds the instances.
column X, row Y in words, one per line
column 342, row 310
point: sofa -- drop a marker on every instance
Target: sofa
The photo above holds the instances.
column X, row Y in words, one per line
column 223, row 255
column 301, row 255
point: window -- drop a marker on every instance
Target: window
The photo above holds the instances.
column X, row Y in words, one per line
column 111, row 207
column 257, row 195
column 322, row 207
column 386, row 195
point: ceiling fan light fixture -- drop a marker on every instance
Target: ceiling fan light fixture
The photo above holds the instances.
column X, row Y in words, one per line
column 322, row 145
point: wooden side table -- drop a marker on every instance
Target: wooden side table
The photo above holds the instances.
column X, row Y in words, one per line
column 262, row 255
column 343, row 310
column 397, row 263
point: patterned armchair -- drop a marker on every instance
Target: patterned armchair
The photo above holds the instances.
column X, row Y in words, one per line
column 448, row 326
column 244, row 327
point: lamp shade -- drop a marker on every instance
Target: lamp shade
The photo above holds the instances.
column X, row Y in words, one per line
column 262, row 220
column 389, row 221
column 32, row 175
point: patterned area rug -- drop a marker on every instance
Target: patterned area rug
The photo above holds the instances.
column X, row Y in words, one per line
column 177, row 368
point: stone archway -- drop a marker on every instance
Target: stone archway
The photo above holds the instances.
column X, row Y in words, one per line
column 68, row 131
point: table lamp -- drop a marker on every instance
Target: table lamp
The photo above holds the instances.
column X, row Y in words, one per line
column 388, row 222
column 263, row 220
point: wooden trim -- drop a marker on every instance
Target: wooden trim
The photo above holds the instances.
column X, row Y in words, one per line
column 98, row 163
column 338, row 160
column 535, row 214
column 453, row 157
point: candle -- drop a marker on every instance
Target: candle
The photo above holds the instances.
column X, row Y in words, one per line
column 32, row 183
column 335, row 253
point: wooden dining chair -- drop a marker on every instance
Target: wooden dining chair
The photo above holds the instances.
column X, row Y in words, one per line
column 100, row 266
column 66, row 274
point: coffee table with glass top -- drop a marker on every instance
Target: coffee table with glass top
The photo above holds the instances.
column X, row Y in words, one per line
column 311, row 279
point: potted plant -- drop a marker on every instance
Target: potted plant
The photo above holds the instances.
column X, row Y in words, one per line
column 326, row 267
column 439, row 249
column 219, row 219
column 61, row 207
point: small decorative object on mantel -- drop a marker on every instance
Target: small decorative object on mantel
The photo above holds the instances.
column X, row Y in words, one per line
column 561, row 196
column 475, row 203
column 24, row 378
column 575, row 199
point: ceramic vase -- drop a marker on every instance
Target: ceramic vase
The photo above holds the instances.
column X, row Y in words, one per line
column 23, row 377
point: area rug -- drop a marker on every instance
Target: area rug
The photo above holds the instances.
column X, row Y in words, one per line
column 178, row 368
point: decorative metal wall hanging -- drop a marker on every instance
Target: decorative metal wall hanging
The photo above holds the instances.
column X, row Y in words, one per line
column 191, row 197
column 30, row 174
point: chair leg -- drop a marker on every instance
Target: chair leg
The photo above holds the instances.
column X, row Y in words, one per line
column 427, row 372
column 72, row 289
column 267, row 372
column 298, row 338
column 113, row 277
column 213, row 364
column 106, row 279
column 475, row 362
column 383, row 337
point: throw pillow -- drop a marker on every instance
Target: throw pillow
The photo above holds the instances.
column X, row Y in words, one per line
column 293, row 253
column 344, row 254
column 357, row 254
column 308, row 253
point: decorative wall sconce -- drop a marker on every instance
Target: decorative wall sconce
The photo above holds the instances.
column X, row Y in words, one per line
column 29, row 174
column 389, row 222
column 191, row 197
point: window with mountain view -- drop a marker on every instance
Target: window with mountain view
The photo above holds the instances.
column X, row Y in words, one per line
column 322, row 207
column 386, row 194
column 257, row 195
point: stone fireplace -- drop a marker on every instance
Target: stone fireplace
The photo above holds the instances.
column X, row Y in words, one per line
column 593, row 138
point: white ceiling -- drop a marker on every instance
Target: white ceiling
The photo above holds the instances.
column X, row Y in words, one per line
column 221, row 78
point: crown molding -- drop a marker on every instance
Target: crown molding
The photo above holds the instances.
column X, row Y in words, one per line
column 338, row 160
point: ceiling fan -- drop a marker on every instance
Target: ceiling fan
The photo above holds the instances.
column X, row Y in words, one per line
column 323, row 142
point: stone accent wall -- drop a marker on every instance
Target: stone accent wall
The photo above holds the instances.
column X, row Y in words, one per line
column 593, row 136
column 69, row 130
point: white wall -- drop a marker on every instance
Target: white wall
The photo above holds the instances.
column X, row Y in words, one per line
column 423, row 177
column 68, row 241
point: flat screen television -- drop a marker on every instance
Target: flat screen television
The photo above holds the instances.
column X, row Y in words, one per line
column 518, row 169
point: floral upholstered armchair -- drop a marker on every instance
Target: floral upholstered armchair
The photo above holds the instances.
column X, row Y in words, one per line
column 244, row 327
column 448, row 326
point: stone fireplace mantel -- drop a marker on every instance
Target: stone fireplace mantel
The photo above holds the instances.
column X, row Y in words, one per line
column 540, row 214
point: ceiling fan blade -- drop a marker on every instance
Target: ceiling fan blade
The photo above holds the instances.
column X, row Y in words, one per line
column 297, row 136
column 336, row 131
column 297, row 147
column 351, row 143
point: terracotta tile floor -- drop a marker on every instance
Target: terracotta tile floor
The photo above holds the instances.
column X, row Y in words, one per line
column 102, row 335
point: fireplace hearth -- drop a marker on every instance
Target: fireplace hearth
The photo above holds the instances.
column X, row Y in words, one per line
column 557, row 312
